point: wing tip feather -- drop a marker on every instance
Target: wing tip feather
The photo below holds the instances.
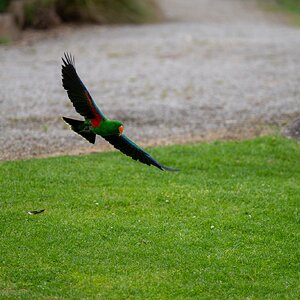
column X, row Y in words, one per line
column 68, row 59
column 163, row 167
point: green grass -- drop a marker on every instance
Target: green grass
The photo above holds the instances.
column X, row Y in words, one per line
column 288, row 8
column 290, row 5
column 225, row 227
column 4, row 41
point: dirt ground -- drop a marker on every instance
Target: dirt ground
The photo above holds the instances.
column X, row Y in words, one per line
column 215, row 69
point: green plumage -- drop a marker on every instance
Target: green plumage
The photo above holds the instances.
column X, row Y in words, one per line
column 107, row 127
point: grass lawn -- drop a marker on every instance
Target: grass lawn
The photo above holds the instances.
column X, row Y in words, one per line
column 291, row 5
column 225, row 227
column 290, row 8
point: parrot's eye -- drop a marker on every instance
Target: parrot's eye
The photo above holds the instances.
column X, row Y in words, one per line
column 121, row 129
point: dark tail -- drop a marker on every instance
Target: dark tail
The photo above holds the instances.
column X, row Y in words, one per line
column 78, row 127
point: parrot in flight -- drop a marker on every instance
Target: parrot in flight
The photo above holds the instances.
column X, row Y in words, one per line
column 95, row 122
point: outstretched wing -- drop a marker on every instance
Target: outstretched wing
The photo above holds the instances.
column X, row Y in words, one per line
column 78, row 93
column 128, row 147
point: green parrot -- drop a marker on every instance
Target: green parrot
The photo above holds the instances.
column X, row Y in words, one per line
column 95, row 122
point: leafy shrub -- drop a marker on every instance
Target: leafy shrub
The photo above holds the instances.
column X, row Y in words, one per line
column 46, row 13
column 4, row 5
column 40, row 13
column 108, row 11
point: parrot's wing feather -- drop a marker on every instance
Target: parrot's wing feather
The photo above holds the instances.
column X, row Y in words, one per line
column 128, row 147
column 77, row 92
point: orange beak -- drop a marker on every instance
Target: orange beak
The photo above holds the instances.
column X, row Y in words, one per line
column 121, row 129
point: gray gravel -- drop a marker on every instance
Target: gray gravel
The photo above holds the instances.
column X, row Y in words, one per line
column 215, row 66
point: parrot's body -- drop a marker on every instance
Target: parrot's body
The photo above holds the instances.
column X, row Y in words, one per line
column 95, row 122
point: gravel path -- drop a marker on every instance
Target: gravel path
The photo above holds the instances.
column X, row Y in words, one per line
column 217, row 67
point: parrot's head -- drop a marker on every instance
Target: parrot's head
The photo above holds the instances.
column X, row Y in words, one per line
column 118, row 127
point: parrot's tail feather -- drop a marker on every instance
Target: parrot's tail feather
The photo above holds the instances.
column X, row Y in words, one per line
column 78, row 127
